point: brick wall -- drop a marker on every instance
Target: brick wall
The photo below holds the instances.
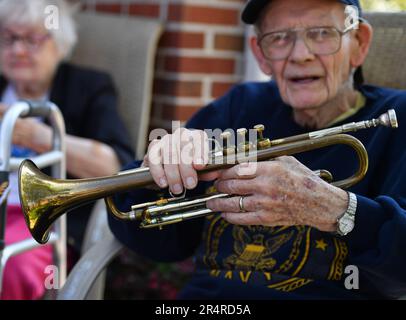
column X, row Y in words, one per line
column 200, row 54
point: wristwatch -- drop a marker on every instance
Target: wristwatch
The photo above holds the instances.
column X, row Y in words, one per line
column 346, row 223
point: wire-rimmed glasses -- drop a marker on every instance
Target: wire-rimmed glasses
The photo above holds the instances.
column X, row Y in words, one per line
column 278, row 45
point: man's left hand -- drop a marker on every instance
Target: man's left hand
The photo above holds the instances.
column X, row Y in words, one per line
column 281, row 192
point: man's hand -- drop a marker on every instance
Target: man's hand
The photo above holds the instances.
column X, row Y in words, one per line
column 282, row 192
column 175, row 159
column 30, row 133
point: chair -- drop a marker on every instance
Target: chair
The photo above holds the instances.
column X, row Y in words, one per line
column 385, row 65
column 125, row 48
column 87, row 279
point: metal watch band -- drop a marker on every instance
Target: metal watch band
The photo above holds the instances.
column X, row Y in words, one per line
column 349, row 215
column 352, row 204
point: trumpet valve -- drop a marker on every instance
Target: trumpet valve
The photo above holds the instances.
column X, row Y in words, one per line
column 228, row 147
column 244, row 145
column 262, row 143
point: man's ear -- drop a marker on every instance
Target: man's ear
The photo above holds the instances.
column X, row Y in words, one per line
column 363, row 40
column 261, row 60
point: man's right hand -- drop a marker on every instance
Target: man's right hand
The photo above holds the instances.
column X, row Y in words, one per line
column 175, row 159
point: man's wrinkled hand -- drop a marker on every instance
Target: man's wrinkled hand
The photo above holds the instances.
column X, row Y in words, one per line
column 174, row 160
column 282, row 192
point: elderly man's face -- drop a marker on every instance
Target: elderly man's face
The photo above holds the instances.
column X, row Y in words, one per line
column 28, row 55
column 307, row 80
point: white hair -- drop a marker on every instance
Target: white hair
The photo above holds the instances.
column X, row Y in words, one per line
column 34, row 12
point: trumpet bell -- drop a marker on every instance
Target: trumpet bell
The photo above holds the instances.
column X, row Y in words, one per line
column 38, row 202
column 44, row 199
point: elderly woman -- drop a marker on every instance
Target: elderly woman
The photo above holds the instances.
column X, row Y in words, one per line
column 32, row 68
column 285, row 233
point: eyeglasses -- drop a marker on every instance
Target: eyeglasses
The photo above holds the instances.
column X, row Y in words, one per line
column 32, row 42
column 278, row 45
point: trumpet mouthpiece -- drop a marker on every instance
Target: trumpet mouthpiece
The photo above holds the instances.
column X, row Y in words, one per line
column 389, row 119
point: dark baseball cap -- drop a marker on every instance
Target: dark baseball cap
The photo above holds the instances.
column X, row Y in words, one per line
column 253, row 8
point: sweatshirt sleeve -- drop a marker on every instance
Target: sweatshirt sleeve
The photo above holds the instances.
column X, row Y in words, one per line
column 377, row 245
column 378, row 242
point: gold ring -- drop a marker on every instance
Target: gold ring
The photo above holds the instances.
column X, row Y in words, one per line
column 241, row 203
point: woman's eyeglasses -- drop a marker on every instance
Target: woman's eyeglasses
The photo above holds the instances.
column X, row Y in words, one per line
column 32, row 42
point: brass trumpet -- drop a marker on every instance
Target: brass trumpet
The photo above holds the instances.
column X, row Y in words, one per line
column 44, row 199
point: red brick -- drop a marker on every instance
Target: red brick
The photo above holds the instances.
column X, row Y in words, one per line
column 199, row 65
column 147, row 10
column 181, row 113
column 201, row 14
column 220, row 88
column 108, row 7
column 160, row 63
column 177, row 88
column 229, row 42
column 189, row 40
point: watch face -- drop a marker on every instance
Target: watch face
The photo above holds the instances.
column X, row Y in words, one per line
column 346, row 225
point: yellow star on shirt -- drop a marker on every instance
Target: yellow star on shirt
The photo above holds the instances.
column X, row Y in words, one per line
column 320, row 244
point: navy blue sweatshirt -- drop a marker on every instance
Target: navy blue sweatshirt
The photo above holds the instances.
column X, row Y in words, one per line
column 299, row 262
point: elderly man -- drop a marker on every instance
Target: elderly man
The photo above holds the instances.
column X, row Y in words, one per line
column 286, row 233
